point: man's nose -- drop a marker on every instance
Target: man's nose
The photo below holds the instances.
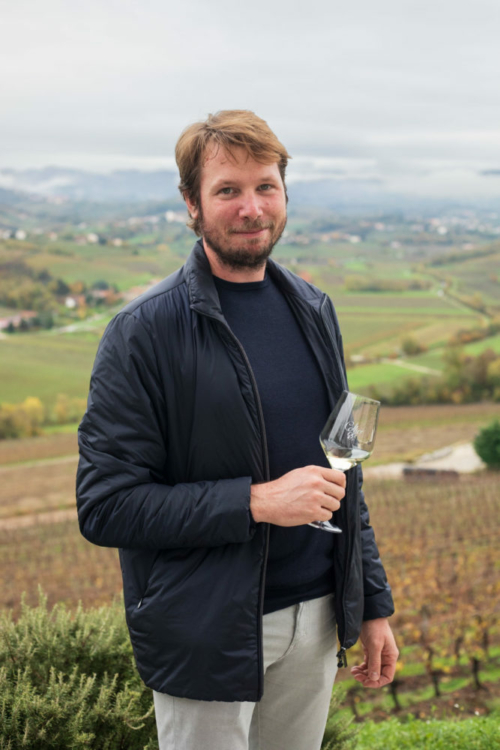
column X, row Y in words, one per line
column 251, row 207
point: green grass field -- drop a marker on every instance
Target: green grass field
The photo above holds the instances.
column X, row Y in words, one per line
column 92, row 263
column 45, row 365
column 374, row 332
column 362, row 376
column 481, row 733
column 476, row 275
column 424, row 303
column 373, row 323
column 480, row 346
column 434, row 358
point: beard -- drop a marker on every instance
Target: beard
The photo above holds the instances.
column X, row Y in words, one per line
column 249, row 256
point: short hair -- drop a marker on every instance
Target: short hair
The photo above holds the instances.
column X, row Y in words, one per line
column 229, row 128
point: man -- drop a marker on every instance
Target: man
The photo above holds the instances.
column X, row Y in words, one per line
column 200, row 461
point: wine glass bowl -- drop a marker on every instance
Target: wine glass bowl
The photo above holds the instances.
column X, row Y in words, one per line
column 348, row 437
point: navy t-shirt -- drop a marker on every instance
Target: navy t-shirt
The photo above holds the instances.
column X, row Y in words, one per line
column 295, row 406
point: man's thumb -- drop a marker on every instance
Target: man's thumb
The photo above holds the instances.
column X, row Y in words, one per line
column 373, row 666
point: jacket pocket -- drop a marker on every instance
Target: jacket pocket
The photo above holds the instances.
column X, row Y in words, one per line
column 148, row 579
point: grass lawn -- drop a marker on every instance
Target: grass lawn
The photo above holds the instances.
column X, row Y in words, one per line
column 478, row 733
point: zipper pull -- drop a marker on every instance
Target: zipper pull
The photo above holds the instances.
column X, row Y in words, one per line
column 139, row 605
column 341, row 658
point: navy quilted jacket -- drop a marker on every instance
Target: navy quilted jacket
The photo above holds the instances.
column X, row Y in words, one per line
column 171, row 441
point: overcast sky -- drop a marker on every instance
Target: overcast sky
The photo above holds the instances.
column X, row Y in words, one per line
column 404, row 91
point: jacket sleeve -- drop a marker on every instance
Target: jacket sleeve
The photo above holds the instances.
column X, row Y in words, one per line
column 122, row 498
column 377, row 592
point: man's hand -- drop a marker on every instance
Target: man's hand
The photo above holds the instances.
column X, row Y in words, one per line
column 311, row 493
column 381, row 654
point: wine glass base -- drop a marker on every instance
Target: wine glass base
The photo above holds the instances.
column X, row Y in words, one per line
column 325, row 526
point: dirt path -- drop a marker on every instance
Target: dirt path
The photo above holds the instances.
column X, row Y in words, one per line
column 461, row 458
column 38, row 462
column 410, row 366
column 35, row 519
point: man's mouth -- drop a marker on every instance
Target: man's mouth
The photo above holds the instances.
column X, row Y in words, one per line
column 250, row 232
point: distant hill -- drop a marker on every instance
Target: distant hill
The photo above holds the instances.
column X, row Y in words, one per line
column 11, row 197
column 78, row 185
column 338, row 192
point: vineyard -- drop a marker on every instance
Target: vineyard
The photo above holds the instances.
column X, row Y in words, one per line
column 439, row 544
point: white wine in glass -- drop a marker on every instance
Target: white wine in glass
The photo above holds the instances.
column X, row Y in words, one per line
column 348, row 437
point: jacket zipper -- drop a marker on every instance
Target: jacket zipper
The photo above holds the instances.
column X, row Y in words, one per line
column 341, row 654
column 260, row 686
column 260, row 635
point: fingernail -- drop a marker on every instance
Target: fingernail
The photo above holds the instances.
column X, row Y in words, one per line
column 374, row 675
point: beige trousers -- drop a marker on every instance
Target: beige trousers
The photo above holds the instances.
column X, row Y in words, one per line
column 300, row 643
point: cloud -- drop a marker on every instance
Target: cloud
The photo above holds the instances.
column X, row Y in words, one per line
column 392, row 82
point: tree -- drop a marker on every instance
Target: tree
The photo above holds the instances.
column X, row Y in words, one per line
column 59, row 287
column 35, row 411
column 411, row 346
column 46, row 319
column 487, row 445
column 44, row 276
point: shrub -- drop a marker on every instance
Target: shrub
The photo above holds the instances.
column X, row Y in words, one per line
column 411, row 346
column 21, row 420
column 487, row 445
column 465, row 380
column 339, row 734
column 372, row 284
column 69, row 681
column 68, row 409
column 27, row 418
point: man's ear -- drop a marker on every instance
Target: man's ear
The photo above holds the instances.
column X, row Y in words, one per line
column 191, row 207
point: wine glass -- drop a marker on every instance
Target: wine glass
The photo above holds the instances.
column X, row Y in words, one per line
column 347, row 437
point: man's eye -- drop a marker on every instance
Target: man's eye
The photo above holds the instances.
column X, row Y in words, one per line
column 266, row 186
column 225, row 190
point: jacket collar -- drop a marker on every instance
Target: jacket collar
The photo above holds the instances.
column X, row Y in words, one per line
column 202, row 291
column 304, row 298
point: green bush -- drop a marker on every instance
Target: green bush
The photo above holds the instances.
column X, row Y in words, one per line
column 481, row 733
column 487, row 445
column 27, row 418
column 21, row 420
column 339, row 734
column 464, row 380
column 411, row 346
column 70, row 681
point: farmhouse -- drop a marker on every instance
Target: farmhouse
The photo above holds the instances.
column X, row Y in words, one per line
column 16, row 319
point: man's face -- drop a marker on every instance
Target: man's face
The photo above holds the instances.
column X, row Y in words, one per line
column 242, row 209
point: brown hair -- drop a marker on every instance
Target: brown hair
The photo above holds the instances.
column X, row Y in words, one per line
column 229, row 128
